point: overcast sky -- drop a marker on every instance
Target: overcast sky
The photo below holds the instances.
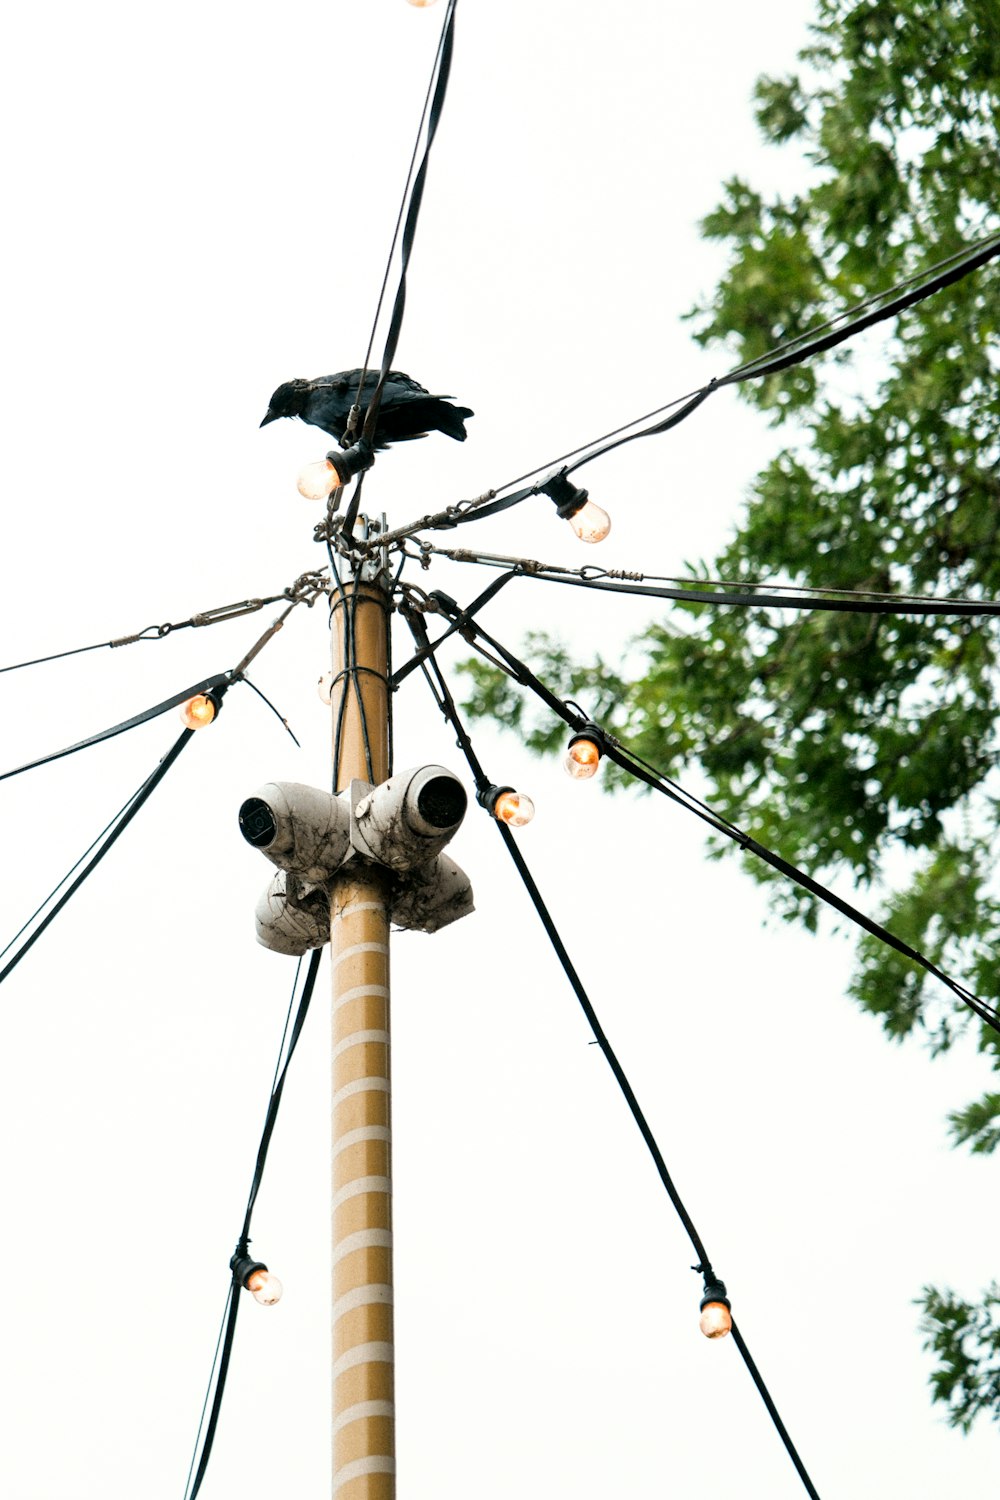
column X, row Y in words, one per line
column 199, row 204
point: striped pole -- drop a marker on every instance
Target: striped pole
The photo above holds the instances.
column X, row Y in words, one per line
column 364, row 1465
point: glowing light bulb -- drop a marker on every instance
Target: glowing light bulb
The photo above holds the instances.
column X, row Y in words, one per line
column 590, row 523
column 514, row 809
column 197, row 711
column 582, row 759
column 421, row 2
column 325, row 688
column 716, row 1320
column 319, row 480
column 267, row 1289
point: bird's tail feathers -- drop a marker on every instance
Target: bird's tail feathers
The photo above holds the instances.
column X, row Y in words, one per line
column 451, row 421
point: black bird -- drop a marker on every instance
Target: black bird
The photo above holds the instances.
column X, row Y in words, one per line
column 407, row 410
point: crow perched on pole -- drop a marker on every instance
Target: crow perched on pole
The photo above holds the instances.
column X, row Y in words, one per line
column 407, row 411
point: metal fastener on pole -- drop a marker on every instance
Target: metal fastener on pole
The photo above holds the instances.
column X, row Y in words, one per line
column 363, row 1372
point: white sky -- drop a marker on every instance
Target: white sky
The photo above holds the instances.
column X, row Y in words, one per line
column 199, row 203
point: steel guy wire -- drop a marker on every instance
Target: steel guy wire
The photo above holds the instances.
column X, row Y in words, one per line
column 205, row 617
column 745, row 592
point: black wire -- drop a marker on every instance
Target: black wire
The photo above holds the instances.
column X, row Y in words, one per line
column 274, row 1103
column 58, row 656
column 466, row 615
column 442, row 69
column 765, row 599
column 758, row 596
column 869, row 301
column 785, row 361
column 157, row 632
column 765, row 1395
column 278, row 1088
column 132, row 807
column 356, row 682
column 446, row 703
column 663, row 784
column 73, row 868
column 230, row 1293
column 771, row 363
column 338, row 730
column 402, row 210
column 220, row 1386
column 280, row 717
column 288, row 1022
column 215, row 685
column 555, row 573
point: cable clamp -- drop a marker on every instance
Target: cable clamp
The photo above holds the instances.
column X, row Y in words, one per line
column 151, row 633
column 353, row 417
column 464, row 506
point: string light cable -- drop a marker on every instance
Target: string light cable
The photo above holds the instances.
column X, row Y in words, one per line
column 714, row 1291
column 247, row 1273
column 432, row 114
column 355, row 413
column 210, row 688
column 794, row 351
column 661, row 783
column 201, row 706
column 204, row 697
column 117, row 827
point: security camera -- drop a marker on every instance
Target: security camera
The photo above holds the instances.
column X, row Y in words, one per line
column 298, row 828
column 406, row 822
column 292, row 916
column 433, row 897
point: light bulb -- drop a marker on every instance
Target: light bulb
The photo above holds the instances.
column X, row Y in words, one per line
column 319, row 480
column 716, row 1320
column 514, row 809
column 582, row 759
column 421, row 2
column 197, row 711
column 590, row 523
column 325, row 688
column 267, row 1289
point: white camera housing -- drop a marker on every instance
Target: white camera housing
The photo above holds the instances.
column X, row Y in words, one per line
column 401, row 826
column 291, row 916
column 406, row 821
column 298, row 828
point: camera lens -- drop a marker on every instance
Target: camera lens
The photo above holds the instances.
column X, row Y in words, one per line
column 257, row 823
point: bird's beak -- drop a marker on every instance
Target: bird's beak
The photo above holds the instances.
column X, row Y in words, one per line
column 272, row 416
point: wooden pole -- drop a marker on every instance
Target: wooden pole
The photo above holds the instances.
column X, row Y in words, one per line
column 364, row 1465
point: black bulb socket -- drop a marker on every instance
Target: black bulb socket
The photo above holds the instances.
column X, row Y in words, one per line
column 489, row 796
column 351, row 461
column 565, row 495
column 715, row 1291
column 243, row 1267
column 592, row 732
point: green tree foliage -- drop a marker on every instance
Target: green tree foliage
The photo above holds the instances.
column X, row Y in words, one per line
column 966, row 1340
column 856, row 745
